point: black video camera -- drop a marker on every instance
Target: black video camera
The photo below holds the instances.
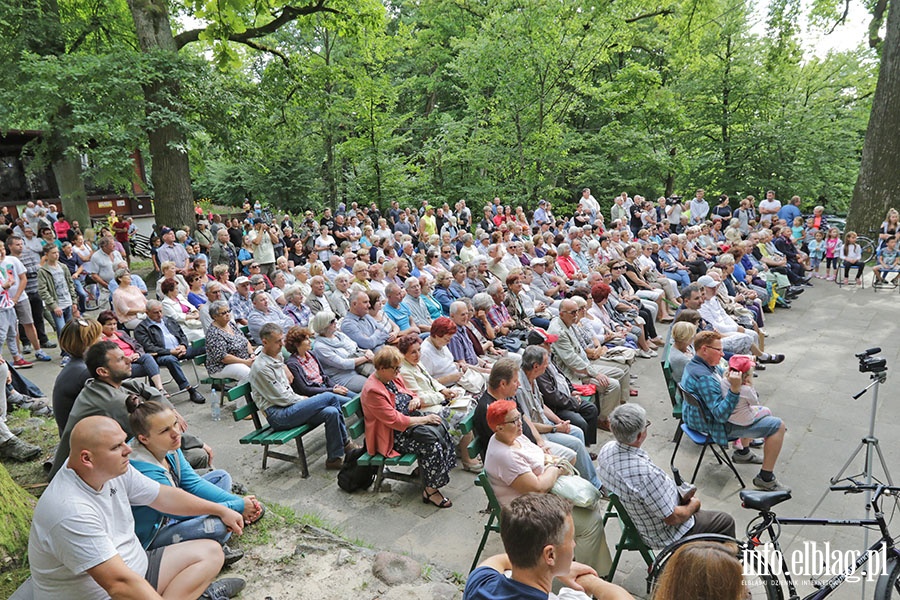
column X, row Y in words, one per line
column 672, row 200
column 868, row 363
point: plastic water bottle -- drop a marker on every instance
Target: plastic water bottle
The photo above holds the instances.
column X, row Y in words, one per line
column 216, row 410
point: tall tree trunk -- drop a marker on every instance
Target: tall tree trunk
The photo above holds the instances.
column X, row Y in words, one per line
column 878, row 185
column 67, row 172
column 18, row 506
column 171, row 173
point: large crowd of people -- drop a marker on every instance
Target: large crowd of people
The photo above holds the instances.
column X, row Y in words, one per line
column 529, row 321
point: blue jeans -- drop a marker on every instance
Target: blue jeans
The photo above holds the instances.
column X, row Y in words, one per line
column 315, row 410
column 61, row 320
column 82, row 295
column 681, row 276
column 171, row 363
column 204, row 527
column 145, row 366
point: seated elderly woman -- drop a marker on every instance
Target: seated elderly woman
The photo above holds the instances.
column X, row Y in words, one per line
column 681, row 352
column 157, row 454
column 128, row 301
column 295, row 308
column 309, row 378
column 434, row 397
column 392, row 427
column 515, row 466
column 438, row 360
column 142, row 364
column 175, row 305
column 341, row 359
column 168, row 270
column 228, row 351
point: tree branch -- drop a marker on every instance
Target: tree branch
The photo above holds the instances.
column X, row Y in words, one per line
column 660, row 13
column 263, row 48
column 877, row 19
column 288, row 14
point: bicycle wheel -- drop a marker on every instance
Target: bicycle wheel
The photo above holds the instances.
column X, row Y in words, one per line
column 888, row 586
column 758, row 578
column 868, row 248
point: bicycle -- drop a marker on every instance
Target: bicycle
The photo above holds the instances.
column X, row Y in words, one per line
column 762, row 575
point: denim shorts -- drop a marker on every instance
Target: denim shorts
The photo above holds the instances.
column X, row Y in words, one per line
column 760, row 428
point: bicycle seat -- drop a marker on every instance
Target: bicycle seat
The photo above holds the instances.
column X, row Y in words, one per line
column 763, row 500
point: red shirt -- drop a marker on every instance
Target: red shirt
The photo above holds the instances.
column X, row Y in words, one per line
column 121, row 229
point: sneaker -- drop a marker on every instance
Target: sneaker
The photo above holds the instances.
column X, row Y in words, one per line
column 224, row 589
column 64, row 361
column 42, row 356
column 48, row 344
column 769, row 486
column 21, row 363
column 18, row 450
column 748, row 458
column 232, row 555
column 644, row 354
column 27, row 349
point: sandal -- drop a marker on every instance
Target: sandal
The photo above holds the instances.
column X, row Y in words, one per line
column 427, row 499
column 633, row 393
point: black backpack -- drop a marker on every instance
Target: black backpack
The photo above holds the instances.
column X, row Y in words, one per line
column 353, row 476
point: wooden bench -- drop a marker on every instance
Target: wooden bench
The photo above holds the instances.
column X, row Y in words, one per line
column 357, row 430
column 265, row 436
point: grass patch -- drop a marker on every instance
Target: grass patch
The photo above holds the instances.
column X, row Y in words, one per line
column 11, row 580
column 38, row 431
column 279, row 517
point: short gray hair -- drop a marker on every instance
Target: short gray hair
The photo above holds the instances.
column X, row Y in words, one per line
column 495, row 288
column 456, row 306
column 627, row 422
column 269, row 329
column 215, row 308
column 482, row 301
column 532, row 358
column 153, row 304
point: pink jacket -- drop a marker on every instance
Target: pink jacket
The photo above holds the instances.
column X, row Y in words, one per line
column 382, row 417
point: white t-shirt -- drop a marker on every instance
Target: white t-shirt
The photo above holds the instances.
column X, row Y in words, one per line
column 770, row 206
column 76, row 528
column 437, row 362
column 14, row 269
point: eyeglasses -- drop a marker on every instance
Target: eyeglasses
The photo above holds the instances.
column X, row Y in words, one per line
column 332, row 322
column 716, row 348
column 568, row 312
column 647, row 425
column 516, row 421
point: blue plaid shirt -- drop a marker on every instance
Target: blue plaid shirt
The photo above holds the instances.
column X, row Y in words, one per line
column 705, row 383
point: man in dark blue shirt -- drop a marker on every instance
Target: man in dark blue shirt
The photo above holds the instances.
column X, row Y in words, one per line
column 539, row 539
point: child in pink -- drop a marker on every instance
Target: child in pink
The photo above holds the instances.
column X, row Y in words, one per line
column 832, row 252
column 748, row 409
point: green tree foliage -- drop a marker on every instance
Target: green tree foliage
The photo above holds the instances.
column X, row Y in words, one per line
column 307, row 105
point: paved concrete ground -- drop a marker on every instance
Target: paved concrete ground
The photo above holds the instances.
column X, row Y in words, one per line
column 811, row 390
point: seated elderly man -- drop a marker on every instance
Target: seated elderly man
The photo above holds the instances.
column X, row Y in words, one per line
column 713, row 313
column 361, row 327
column 538, row 533
column 574, row 363
column 561, row 398
column 499, row 316
column 163, row 339
column 82, row 542
column 652, row 499
column 265, row 311
column 317, row 300
column 398, row 312
column 703, row 378
column 240, row 302
column 285, row 409
column 418, row 310
column 537, row 416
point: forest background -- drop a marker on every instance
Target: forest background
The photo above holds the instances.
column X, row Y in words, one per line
column 304, row 105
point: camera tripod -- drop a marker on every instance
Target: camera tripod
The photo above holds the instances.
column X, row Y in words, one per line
column 872, row 447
